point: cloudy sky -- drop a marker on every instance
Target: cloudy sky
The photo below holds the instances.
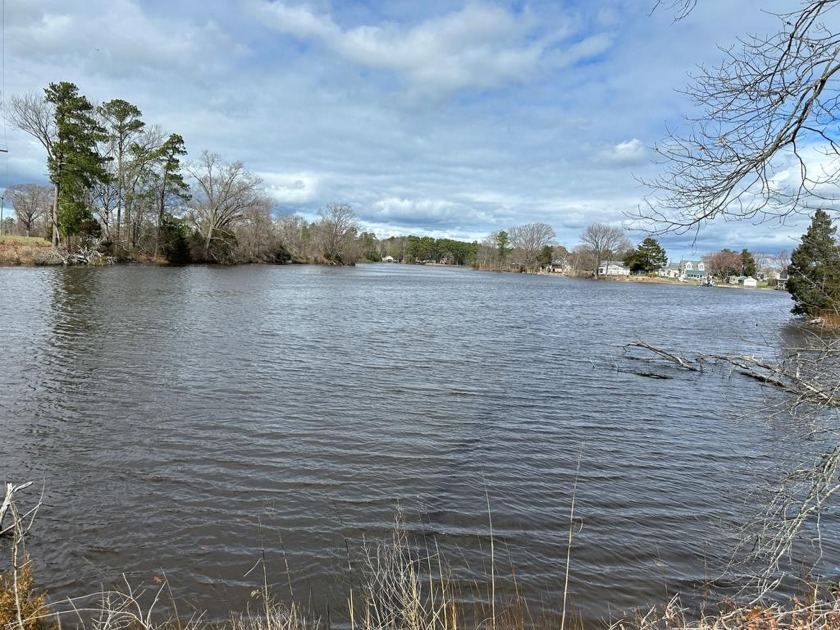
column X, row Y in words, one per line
column 452, row 118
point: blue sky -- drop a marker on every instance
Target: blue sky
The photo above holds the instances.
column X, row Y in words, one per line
column 440, row 117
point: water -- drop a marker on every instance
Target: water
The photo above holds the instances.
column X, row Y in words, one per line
column 183, row 420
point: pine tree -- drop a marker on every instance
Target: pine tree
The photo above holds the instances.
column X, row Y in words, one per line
column 814, row 270
column 748, row 266
column 648, row 257
column 74, row 164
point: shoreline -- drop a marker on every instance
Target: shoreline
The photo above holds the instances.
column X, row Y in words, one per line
column 26, row 251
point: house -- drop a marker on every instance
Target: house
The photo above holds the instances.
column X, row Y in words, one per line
column 767, row 275
column 671, row 270
column 559, row 266
column 692, row 270
column 613, row 268
column 744, row 281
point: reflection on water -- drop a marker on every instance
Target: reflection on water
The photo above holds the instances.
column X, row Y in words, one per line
column 184, row 419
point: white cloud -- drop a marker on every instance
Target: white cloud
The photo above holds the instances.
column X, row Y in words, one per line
column 291, row 188
column 628, row 152
column 480, row 46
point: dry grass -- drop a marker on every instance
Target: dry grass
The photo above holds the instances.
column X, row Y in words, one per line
column 26, row 250
column 402, row 585
column 818, row 612
column 828, row 319
column 31, row 241
column 402, row 588
column 21, row 607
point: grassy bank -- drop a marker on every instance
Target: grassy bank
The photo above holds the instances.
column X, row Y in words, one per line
column 26, row 250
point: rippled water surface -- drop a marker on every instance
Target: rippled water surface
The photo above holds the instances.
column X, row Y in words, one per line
column 183, row 419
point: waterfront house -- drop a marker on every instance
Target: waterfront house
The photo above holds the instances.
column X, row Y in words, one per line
column 672, row 270
column 692, row 270
column 613, row 268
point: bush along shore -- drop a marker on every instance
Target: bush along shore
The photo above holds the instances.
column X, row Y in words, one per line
column 400, row 584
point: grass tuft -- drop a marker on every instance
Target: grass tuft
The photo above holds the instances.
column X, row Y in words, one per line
column 21, row 607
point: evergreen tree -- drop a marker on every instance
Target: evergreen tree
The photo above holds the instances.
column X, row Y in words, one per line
column 748, row 267
column 170, row 180
column 503, row 245
column 74, row 164
column 814, row 270
column 123, row 124
column 648, row 257
column 546, row 256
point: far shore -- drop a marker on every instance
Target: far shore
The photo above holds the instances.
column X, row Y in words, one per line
column 32, row 251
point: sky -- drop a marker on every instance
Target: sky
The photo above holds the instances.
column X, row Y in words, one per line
column 445, row 118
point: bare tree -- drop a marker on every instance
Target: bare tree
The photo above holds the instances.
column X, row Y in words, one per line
column 604, row 241
column 337, row 232
column 257, row 238
column 582, row 260
column 771, row 103
column 222, row 193
column 32, row 203
column 35, row 115
column 781, row 260
column 294, row 233
column 530, row 240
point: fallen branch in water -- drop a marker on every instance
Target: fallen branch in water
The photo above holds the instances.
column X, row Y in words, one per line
column 811, row 375
column 675, row 358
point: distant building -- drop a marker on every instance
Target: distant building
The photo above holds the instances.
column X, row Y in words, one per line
column 692, row 270
column 671, row 270
column 613, row 268
column 559, row 266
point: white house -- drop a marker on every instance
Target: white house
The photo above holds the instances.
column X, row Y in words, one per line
column 671, row 270
column 613, row 268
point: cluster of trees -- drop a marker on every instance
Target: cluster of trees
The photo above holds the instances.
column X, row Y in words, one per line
column 111, row 176
column 122, row 184
column 521, row 248
column 727, row 263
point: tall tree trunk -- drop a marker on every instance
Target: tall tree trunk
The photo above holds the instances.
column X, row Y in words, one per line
column 56, row 241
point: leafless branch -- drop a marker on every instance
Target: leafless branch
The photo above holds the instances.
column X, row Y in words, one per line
column 768, row 110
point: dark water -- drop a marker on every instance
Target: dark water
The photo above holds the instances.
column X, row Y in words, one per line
column 182, row 420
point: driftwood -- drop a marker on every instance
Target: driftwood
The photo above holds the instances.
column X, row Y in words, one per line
column 683, row 363
column 811, row 375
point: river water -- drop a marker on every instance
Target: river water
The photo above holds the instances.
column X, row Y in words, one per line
column 182, row 421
